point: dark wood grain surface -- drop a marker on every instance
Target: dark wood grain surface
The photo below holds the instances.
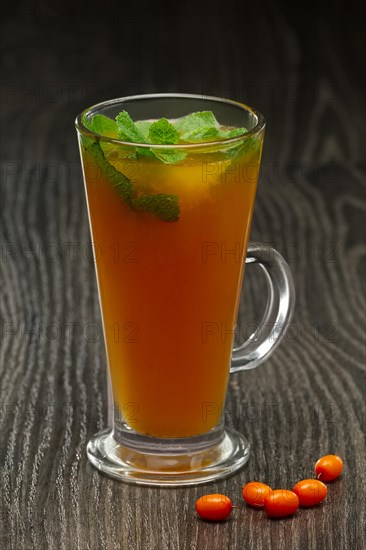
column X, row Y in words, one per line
column 302, row 68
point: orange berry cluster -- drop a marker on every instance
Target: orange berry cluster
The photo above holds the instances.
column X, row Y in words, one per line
column 277, row 503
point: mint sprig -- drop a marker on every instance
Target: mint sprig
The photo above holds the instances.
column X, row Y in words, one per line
column 144, row 126
column 165, row 207
column 104, row 126
column 158, row 132
column 127, row 129
column 162, row 206
column 233, row 132
column 119, row 181
column 163, row 132
column 193, row 121
column 192, row 128
column 203, row 125
column 199, row 134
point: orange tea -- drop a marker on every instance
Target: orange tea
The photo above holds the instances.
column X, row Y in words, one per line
column 169, row 287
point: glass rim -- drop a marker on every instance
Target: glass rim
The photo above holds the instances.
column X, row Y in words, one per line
column 202, row 144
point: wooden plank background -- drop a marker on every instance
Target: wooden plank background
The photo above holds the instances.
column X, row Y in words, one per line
column 301, row 67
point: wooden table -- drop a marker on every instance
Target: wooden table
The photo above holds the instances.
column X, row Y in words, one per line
column 302, row 70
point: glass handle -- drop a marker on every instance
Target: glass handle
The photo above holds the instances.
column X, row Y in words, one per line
column 278, row 312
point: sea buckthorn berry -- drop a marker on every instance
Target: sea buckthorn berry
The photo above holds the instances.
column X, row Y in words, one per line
column 214, row 507
column 328, row 467
column 254, row 493
column 281, row 503
column 310, row 492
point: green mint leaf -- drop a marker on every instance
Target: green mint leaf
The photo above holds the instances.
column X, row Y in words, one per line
column 193, row 121
column 121, row 183
column 250, row 145
column 163, row 132
column 247, row 146
column 127, row 129
column 144, row 131
column 233, row 152
column 104, row 126
column 225, row 134
column 144, row 152
column 164, row 207
column 87, row 123
column 204, row 132
column 169, row 156
column 143, row 126
column 203, row 125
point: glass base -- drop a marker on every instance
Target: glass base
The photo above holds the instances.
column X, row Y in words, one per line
column 173, row 469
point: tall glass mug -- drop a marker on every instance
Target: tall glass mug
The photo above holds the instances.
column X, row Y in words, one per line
column 170, row 226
